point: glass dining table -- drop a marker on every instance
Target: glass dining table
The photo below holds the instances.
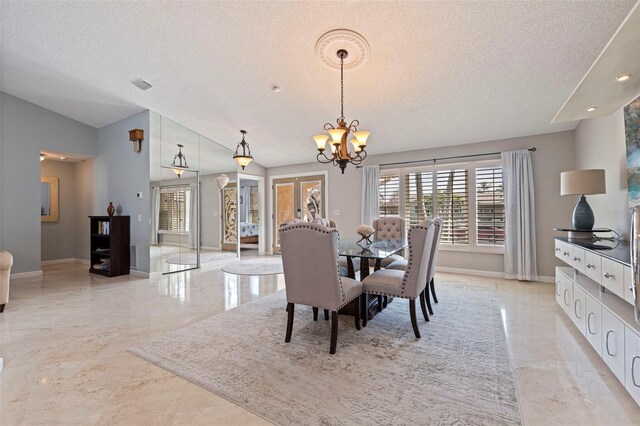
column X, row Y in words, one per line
column 376, row 251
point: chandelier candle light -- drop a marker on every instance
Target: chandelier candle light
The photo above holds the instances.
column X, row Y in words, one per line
column 243, row 158
column 179, row 168
column 340, row 155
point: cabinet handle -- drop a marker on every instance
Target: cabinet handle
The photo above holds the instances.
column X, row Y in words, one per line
column 557, row 249
column 575, row 308
column 576, row 259
column 589, row 323
column 607, row 343
column 608, row 275
column 633, row 377
column 565, row 296
column 558, row 288
column 566, row 253
column 589, row 266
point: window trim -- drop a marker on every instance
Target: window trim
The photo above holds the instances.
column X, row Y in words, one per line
column 470, row 166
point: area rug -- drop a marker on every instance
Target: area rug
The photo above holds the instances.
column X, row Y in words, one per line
column 205, row 257
column 267, row 265
column 458, row 373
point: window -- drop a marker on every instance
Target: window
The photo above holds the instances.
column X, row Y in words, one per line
column 389, row 196
column 174, row 209
column 468, row 197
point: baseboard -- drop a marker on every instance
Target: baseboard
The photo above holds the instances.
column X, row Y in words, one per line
column 82, row 261
column 490, row 274
column 211, row 248
column 24, row 275
column 67, row 260
column 137, row 273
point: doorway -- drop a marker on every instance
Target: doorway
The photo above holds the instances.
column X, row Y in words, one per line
column 302, row 197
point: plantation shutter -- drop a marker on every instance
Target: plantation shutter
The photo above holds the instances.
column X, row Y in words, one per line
column 418, row 197
column 453, row 204
column 174, row 210
column 490, row 218
column 389, row 200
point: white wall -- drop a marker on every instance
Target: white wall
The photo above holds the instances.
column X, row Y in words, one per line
column 600, row 144
column 25, row 130
column 120, row 173
column 555, row 152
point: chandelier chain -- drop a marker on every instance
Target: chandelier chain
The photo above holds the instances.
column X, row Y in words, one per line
column 341, row 87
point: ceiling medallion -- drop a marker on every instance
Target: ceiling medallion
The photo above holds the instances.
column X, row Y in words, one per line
column 330, row 42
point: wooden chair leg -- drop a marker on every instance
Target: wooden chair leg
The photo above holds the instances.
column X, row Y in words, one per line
column 428, row 300
column 326, row 315
column 423, row 305
column 290, row 309
column 379, row 303
column 364, row 302
column 414, row 321
column 358, row 312
column 433, row 290
column 2, row 308
column 334, row 332
column 315, row 314
column 385, row 301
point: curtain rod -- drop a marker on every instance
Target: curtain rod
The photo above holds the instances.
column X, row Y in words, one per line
column 445, row 158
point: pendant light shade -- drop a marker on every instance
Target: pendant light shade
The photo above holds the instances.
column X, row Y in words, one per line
column 243, row 152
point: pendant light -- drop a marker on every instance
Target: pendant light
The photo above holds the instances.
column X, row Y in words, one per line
column 243, row 158
column 179, row 168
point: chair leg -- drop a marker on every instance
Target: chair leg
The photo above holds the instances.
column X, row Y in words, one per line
column 326, row 315
column 2, row 308
column 380, row 303
column 358, row 311
column 315, row 314
column 428, row 300
column 414, row 321
column 364, row 306
column 287, row 338
column 433, row 290
column 334, row 332
column 423, row 305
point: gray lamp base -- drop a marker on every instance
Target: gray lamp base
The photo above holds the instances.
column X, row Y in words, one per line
column 583, row 217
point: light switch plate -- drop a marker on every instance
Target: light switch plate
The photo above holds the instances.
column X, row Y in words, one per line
column 139, row 218
column 138, row 194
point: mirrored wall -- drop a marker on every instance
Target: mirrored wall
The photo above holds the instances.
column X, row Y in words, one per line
column 190, row 180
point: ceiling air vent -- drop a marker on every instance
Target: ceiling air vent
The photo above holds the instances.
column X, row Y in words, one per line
column 141, row 84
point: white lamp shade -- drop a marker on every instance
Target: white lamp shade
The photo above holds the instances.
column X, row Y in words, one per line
column 178, row 171
column 321, row 140
column 222, row 180
column 583, row 182
column 336, row 135
column 356, row 145
column 362, row 137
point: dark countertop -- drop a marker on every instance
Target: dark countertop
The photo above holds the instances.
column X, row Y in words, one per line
column 618, row 250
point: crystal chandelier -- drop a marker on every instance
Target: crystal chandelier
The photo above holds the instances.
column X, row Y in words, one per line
column 243, row 158
column 179, row 168
column 340, row 154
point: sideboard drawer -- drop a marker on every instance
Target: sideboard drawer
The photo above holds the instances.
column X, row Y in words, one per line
column 577, row 259
column 612, row 277
column 593, row 266
column 628, row 284
column 559, row 249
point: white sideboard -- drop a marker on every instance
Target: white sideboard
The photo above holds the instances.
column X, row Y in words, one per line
column 595, row 292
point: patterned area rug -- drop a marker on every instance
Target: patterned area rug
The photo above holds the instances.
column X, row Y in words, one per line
column 459, row 373
column 267, row 265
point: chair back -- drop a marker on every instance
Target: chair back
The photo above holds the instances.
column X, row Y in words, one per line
column 421, row 240
column 389, row 228
column 438, row 222
column 324, row 222
column 310, row 261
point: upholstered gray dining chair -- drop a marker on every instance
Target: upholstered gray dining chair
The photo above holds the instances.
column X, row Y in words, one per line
column 310, row 261
column 342, row 261
column 407, row 284
column 402, row 265
column 388, row 229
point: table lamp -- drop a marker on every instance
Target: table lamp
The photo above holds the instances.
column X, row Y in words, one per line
column 583, row 182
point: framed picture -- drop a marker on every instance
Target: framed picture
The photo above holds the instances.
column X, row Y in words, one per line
column 632, row 137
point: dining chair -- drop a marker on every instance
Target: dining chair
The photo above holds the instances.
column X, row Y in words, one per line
column 342, row 261
column 402, row 265
column 389, row 228
column 408, row 284
column 310, row 263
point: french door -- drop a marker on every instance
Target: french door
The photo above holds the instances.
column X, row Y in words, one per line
column 297, row 197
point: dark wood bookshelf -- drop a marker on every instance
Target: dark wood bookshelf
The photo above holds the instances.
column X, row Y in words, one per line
column 112, row 234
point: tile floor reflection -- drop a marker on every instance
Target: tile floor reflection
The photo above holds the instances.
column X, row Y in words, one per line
column 65, row 339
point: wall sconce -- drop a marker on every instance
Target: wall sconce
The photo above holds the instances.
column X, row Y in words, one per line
column 136, row 136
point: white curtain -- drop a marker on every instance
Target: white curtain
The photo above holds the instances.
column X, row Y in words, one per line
column 194, row 232
column 520, row 232
column 155, row 214
column 370, row 194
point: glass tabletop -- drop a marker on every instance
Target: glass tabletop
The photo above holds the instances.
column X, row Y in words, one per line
column 375, row 250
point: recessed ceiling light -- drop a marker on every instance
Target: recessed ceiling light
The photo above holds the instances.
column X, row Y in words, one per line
column 591, row 109
column 623, row 77
column 275, row 88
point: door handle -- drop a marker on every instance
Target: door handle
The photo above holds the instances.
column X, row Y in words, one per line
column 607, row 343
column 633, row 377
column 589, row 323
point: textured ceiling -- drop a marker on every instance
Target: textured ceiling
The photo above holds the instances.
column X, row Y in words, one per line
column 440, row 73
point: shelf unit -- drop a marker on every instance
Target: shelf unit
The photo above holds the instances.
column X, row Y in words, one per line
column 110, row 242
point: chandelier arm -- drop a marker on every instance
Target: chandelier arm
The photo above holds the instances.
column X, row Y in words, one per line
column 326, row 159
column 353, row 126
column 328, row 126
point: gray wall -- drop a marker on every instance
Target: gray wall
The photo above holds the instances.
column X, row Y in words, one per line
column 555, row 154
column 120, row 173
column 25, row 129
column 600, row 144
column 58, row 238
column 86, row 206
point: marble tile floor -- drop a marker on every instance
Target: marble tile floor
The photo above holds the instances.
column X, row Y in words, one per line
column 65, row 339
